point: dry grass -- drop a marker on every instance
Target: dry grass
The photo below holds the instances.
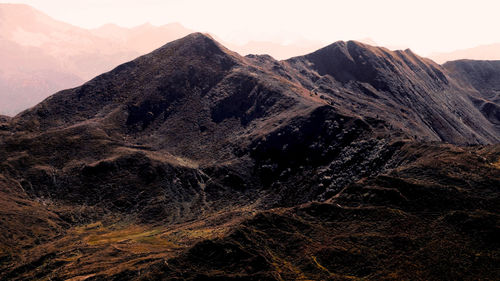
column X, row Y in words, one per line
column 496, row 164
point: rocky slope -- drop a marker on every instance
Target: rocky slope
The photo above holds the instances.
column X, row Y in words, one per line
column 484, row 77
column 414, row 94
column 193, row 162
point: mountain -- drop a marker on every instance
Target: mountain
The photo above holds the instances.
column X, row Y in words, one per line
column 41, row 55
column 144, row 38
column 28, row 75
column 415, row 94
column 195, row 163
column 484, row 77
column 483, row 52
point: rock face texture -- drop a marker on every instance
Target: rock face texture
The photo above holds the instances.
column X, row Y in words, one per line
column 412, row 93
column 484, row 77
column 193, row 162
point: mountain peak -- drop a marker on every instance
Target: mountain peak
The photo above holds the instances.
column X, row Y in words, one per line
column 196, row 36
column 198, row 45
column 198, row 40
column 167, row 73
column 355, row 61
column 350, row 44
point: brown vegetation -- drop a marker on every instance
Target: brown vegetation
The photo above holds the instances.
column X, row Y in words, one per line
column 194, row 163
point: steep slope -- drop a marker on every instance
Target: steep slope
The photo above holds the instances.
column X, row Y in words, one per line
column 414, row 93
column 193, row 162
column 190, row 131
column 198, row 105
column 484, row 77
column 435, row 217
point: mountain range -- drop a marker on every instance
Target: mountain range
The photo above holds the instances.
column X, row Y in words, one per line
column 195, row 163
column 41, row 56
column 482, row 52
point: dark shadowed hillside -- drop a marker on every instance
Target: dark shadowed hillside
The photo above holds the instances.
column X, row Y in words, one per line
column 195, row 163
column 414, row 94
column 484, row 77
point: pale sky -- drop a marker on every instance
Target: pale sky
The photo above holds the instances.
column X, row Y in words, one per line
column 425, row 26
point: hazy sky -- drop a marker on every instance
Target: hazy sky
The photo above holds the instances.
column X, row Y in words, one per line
column 425, row 26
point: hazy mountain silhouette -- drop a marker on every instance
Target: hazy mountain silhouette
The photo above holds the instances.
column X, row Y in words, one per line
column 142, row 39
column 276, row 50
column 483, row 52
column 41, row 55
column 193, row 163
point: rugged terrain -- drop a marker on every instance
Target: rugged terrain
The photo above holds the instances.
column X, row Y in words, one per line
column 193, row 162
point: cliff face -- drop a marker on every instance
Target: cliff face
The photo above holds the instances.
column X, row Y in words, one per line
column 193, row 162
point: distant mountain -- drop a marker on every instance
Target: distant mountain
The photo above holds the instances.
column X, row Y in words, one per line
column 282, row 51
column 28, row 75
column 276, row 50
column 484, row 52
column 41, row 55
column 142, row 39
